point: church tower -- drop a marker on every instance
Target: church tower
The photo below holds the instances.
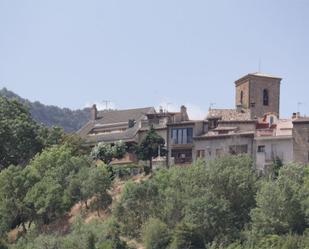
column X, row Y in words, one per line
column 258, row 93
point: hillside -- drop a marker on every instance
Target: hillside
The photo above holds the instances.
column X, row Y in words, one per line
column 69, row 120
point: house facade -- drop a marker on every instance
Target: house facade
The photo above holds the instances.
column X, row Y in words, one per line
column 253, row 127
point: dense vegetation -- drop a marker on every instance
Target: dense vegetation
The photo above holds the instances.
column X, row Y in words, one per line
column 69, row 120
column 221, row 204
column 218, row 205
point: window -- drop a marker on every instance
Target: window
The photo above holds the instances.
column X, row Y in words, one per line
column 200, row 154
column 182, row 135
column 213, row 123
column 241, row 97
column 182, row 156
column 261, row 148
column 239, row 149
column 265, row 97
column 179, row 136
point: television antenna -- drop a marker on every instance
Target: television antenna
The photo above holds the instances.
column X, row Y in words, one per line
column 211, row 105
column 167, row 105
column 106, row 102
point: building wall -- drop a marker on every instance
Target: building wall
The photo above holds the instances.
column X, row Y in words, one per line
column 301, row 142
column 243, row 126
column 257, row 85
column 281, row 148
column 220, row 145
column 244, row 87
column 199, row 128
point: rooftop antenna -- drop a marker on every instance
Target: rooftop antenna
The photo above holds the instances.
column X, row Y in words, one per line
column 299, row 104
column 168, row 104
column 106, row 102
column 211, row 105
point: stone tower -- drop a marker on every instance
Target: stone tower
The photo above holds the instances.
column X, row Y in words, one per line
column 258, row 93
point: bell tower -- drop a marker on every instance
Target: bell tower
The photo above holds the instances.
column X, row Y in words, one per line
column 258, row 93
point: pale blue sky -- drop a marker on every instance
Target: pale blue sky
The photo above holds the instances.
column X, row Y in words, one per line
column 142, row 53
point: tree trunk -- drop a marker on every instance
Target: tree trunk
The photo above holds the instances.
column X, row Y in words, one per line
column 98, row 211
column 86, row 204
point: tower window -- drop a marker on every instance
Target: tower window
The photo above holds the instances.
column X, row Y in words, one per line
column 241, row 97
column 265, row 97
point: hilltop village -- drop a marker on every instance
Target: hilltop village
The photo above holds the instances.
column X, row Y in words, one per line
column 254, row 127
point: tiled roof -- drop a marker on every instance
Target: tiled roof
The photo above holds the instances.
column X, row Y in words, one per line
column 108, row 119
column 118, row 116
column 228, row 114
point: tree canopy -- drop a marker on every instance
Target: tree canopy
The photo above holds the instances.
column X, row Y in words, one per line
column 150, row 146
column 19, row 134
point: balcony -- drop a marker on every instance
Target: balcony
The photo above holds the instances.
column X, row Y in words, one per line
column 266, row 133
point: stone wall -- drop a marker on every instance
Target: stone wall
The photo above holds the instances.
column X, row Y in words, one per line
column 243, row 87
column 222, row 145
column 301, row 141
column 257, row 85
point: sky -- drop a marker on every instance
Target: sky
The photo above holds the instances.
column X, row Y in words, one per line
column 137, row 53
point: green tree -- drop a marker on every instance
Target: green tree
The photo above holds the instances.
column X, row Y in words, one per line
column 186, row 236
column 156, row 234
column 18, row 134
column 46, row 198
column 51, row 173
column 51, row 136
column 279, row 209
column 13, row 188
column 107, row 152
column 136, row 205
column 149, row 147
column 99, row 183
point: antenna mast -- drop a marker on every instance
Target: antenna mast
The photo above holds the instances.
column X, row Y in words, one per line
column 106, row 102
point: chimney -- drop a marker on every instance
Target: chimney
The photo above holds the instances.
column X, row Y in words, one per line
column 239, row 108
column 295, row 115
column 184, row 114
column 94, row 112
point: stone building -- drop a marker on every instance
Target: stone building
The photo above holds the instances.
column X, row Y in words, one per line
column 301, row 139
column 114, row 125
column 132, row 125
column 254, row 127
column 259, row 94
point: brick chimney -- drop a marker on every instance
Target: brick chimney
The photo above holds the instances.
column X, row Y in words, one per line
column 94, row 112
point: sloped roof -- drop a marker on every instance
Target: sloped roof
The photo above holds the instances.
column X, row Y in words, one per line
column 228, row 114
column 118, row 118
